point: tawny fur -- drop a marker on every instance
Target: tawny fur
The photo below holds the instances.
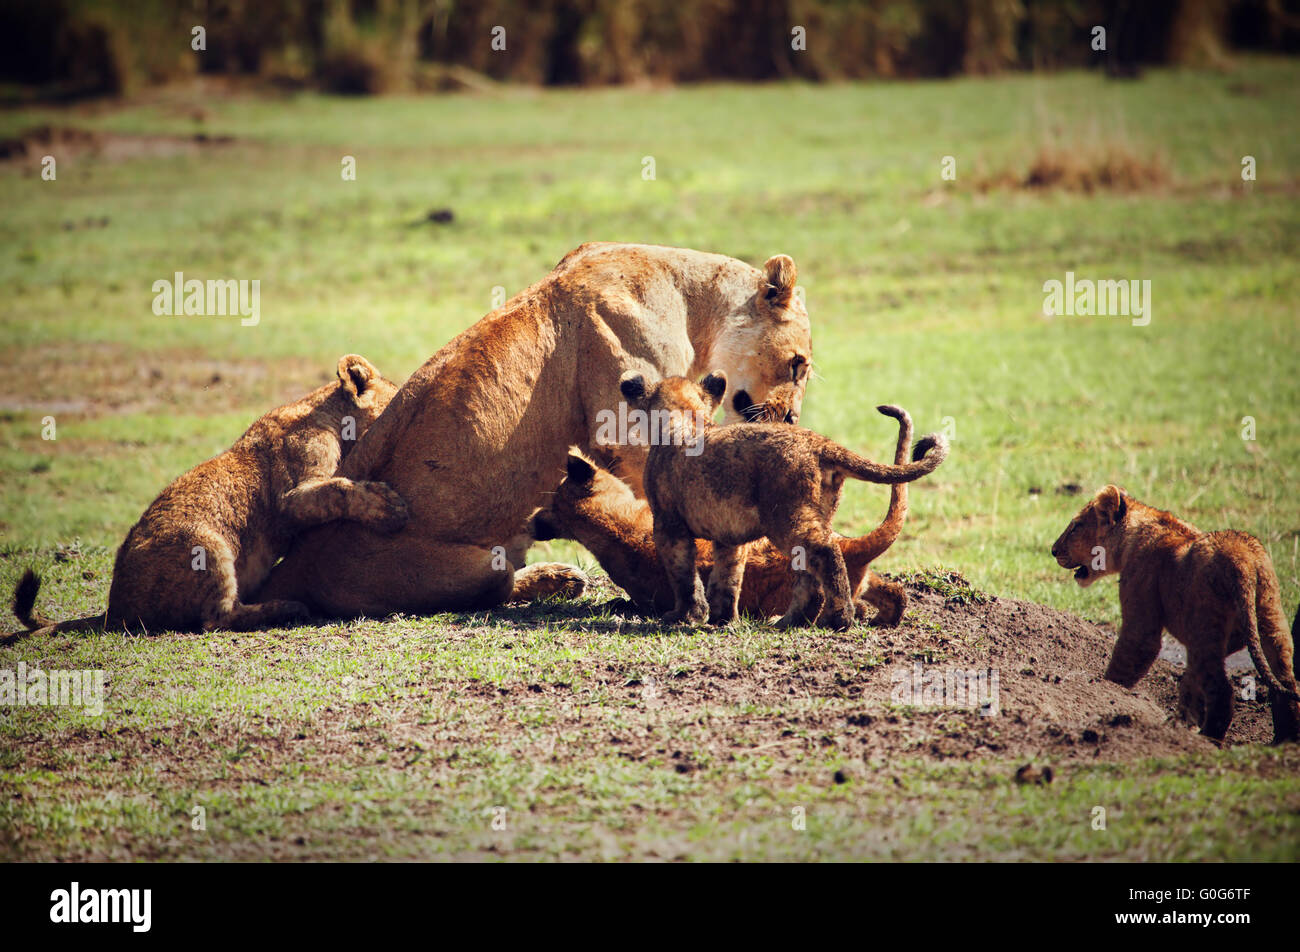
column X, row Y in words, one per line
column 596, row 508
column 1216, row 592
column 211, row 537
column 474, row 437
column 735, row 484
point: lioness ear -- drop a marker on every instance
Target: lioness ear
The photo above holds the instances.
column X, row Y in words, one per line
column 579, row 468
column 780, row 273
column 1111, row 504
column 715, row 385
column 356, row 373
column 632, row 385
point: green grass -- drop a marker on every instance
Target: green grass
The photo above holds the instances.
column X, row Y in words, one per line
column 402, row 739
column 922, row 292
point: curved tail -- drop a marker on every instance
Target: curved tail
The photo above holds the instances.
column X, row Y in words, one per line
column 859, row 467
column 1288, row 687
column 866, row 549
column 34, row 622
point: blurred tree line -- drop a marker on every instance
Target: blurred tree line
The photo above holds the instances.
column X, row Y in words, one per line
column 71, row 48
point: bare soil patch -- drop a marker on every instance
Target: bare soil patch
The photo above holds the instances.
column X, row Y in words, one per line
column 821, row 690
column 840, row 690
column 815, row 708
column 70, row 143
column 100, row 379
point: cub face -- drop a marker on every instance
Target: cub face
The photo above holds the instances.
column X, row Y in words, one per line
column 1092, row 535
column 586, row 495
column 365, row 393
column 767, row 349
column 685, row 409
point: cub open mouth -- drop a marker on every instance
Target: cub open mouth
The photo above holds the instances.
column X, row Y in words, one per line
column 1081, row 573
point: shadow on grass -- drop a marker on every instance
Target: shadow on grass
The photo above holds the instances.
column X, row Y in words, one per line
column 613, row 616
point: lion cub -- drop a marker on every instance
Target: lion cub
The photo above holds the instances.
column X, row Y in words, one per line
column 598, row 509
column 1214, row 591
column 735, row 484
column 211, row 537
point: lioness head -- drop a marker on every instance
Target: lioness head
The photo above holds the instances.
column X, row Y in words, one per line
column 1092, row 536
column 677, row 410
column 586, row 495
column 766, row 347
column 366, row 389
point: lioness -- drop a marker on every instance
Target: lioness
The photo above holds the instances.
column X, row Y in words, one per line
column 735, row 484
column 213, row 534
column 1214, row 591
column 596, row 508
column 472, row 439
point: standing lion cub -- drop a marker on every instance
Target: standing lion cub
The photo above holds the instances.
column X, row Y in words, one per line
column 735, row 484
column 593, row 506
column 211, row 537
column 1216, row 592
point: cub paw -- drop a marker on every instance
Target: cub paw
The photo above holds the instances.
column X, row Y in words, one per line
column 794, row 619
column 388, row 511
column 838, row 621
column 692, row 616
column 548, row 580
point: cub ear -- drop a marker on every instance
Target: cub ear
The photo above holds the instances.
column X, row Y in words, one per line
column 356, row 374
column 1111, row 504
column 715, row 385
column 780, row 273
column 579, row 468
column 632, row 386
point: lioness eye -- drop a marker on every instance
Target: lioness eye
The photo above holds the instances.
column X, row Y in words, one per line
column 796, row 364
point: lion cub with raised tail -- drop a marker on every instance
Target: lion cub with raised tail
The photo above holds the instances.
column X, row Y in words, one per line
column 735, row 484
column 210, row 538
column 1216, row 592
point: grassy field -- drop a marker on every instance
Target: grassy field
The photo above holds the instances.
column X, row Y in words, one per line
column 923, row 292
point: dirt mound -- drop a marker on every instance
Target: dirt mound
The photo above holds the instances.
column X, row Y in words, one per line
column 917, row 690
column 1051, row 700
column 1052, row 695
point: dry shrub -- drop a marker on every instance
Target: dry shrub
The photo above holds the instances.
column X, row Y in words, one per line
column 1112, row 167
column 1081, row 168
